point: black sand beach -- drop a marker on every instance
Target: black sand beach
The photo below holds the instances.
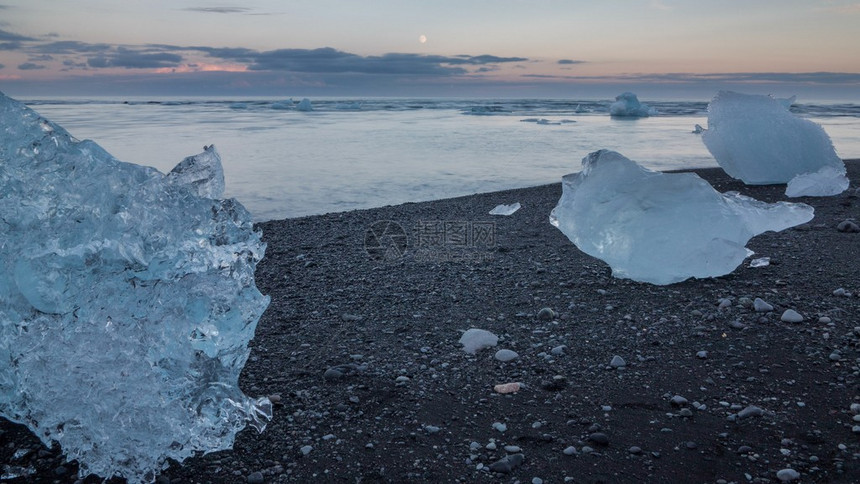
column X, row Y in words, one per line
column 401, row 401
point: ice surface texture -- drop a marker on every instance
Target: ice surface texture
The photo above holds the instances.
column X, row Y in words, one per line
column 627, row 105
column 662, row 227
column 127, row 300
column 757, row 140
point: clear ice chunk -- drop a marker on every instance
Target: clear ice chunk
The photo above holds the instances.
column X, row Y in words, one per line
column 505, row 209
column 756, row 139
column 127, row 300
column 627, row 105
column 662, row 228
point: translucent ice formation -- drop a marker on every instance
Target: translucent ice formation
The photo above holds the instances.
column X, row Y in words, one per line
column 628, row 105
column 662, row 227
column 757, row 140
column 127, row 300
column 305, row 105
column 506, row 209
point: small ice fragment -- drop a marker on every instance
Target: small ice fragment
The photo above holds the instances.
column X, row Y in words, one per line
column 698, row 129
column 505, row 209
column 475, row 339
column 305, row 105
column 760, row 262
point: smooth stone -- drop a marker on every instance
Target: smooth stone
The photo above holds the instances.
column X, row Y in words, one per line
column 507, row 464
column 617, row 362
column 546, row 314
column 751, row 411
column 506, row 355
column 786, row 475
column 571, row 450
column 791, row 316
column 761, row 306
column 255, row 478
column 306, row 449
column 599, row 438
column 678, row 400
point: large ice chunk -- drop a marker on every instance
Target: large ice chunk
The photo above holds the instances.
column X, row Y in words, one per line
column 757, row 140
column 662, row 227
column 127, row 300
column 627, row 105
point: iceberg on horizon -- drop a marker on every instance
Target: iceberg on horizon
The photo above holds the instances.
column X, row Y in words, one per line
column 305, row 105
column 627, row 105
column 662, row 228
column 127, row 301
column 757, row 140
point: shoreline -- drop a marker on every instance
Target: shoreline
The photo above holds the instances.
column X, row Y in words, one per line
column 405, row 403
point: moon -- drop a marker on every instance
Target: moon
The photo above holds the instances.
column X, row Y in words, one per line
column 422, row 38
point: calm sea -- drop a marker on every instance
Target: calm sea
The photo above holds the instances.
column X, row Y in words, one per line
column 347, row 154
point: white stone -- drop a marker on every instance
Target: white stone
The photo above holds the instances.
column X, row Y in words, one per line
column 474, row 340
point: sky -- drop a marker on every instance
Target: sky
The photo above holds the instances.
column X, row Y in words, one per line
column 471, row 48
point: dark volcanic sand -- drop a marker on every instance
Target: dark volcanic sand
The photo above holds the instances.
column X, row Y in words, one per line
column 332, row 302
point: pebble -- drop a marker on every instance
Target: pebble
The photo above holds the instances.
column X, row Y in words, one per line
column 635, row 450
column 500, row 426
column 685, row 412
column 513, row 449
column 506, row 355
column 571, row 450
column 791, row 316
column 599, row 438
column 841, row 292
column 835, row 356
column 558, row 350
column 702, row 355
column 786, row 475
column 255, row 478
column 401, row 379
column 431, row 429
column 507, row 464
column 512, row 387
column 678, row 400
column 491, row 446
column 751, row 411
column 617, row 362
column 546, row 314
column 848, row 226
column 537, row 480
column 824, row 320
column 761, row 306
column 306, row 449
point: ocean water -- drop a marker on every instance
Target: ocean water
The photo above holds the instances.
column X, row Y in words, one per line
column 360, row 153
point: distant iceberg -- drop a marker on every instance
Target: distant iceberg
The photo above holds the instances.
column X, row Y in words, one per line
column 627, row 105
column 305, row 105
column 662, row 228
column 757, row 140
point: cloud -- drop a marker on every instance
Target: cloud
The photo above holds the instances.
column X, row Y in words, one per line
column 6, row 36
column 822, row 78
column 567, row 62
column 129, row 59
column 29, row 66
column 70, row 47
column 218, row 9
